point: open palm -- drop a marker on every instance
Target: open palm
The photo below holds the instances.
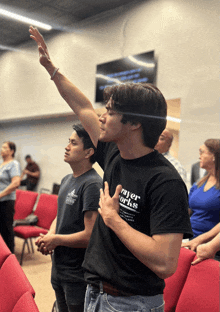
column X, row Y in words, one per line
column 42, row 48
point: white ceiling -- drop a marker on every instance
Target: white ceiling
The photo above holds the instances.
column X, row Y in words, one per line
column 61, row 14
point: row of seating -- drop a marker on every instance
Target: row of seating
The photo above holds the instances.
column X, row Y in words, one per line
column 193, row 288
column 16, row 292
column 44, row 206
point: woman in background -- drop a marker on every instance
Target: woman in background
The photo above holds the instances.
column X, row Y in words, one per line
column 204, row 196
column 9, row 180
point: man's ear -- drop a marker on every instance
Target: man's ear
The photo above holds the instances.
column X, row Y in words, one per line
column 135, row 125
column 89, row 152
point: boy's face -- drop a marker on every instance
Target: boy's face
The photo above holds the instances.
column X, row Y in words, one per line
column 74, row 151
column 111, row 128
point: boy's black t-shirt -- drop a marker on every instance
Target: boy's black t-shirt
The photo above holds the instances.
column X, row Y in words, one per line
column 153, row 200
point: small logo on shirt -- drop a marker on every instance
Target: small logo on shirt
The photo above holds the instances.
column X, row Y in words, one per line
column 71, row 198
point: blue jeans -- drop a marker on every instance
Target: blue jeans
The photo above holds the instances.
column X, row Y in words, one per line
column 97, row 301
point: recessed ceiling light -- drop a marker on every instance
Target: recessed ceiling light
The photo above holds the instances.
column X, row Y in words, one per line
column 24, row 19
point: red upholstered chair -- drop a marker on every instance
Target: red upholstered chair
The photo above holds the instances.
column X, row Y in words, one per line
column 201, row 290
column 26, row 303
column 13, row 284
column 4, row 251
column 175, row 283
column 24, row 203
column 46, row 211
column 18, row 192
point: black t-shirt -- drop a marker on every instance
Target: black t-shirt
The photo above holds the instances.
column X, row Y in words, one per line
column 76, row 196
column 153, row 201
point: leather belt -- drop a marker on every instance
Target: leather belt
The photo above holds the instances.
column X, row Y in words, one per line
column 111, row 290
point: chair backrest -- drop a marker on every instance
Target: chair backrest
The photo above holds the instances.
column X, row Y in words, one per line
column 13, row 285
column 4, row 251
column 175, row 283
column 26, row 303
column 46, row 210
column 18, row 192
column 201, row 289
column 24, row 204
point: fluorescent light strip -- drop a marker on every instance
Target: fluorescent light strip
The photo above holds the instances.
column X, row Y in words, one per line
column 25, row 19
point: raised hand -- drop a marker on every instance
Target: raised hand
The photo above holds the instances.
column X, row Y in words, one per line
column 42, row 48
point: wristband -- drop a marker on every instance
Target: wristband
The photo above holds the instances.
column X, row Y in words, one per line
column 54, row 73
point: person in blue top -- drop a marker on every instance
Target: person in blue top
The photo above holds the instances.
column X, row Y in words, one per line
column 204, row 196
column 9, row 180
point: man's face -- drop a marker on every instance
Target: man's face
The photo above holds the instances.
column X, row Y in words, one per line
column 164, row 143
column 111, row 128
column 74, row 151
column 29, row 160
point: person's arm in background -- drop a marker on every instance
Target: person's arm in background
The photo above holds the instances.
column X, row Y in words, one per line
column 15, row 182
column 202, row 249
column 203, row 238
column 78, row 102
column 208, row 250
column 35, row 174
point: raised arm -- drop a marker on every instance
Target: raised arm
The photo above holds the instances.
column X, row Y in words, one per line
column 77, row 101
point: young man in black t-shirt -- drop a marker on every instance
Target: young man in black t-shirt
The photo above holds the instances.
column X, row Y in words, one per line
column 143, row 212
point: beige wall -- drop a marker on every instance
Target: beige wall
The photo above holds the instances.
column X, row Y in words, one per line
column 185, row 38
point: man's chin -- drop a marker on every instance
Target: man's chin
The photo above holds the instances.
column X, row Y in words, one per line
column 102, row 138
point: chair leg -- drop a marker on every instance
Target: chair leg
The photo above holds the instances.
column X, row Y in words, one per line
column 32, row 247
column 22, row 253
column 29, row 251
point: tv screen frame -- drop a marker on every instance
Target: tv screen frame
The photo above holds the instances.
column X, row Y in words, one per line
column 136, row 68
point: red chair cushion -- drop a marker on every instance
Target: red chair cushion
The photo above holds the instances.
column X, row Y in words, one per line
column 4, row 251
column 201, row 290
column 26, row 231
column 26, row 303
column 13, row 285
column 174, row 284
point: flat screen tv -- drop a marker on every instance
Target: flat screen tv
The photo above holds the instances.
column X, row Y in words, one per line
column 135, row 68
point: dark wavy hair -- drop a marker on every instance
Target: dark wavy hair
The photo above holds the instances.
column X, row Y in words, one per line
column 12, row 147
column 87, row 142
column 140, row 103
column 213, row 146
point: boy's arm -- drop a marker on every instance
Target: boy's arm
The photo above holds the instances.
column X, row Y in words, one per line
column 75, row 240
column 77, row 101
